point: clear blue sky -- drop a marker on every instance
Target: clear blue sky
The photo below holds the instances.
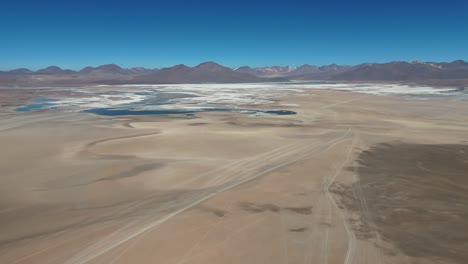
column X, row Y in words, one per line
column 153, row 34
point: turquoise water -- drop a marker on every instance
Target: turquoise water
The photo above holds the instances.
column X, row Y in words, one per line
column 120, row 112
column 39, row 103
column 153, row 99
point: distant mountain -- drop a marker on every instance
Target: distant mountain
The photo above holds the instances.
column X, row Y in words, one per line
column 324, row 72
column 107, row 69
column 457, row 64
column 54, row 70
column 141, row 70
column 273, row 71
column 207, row 72
column 304, row 72
column 54, row 75
column 103, row 70
column 392, row 71
column 405, row 71
column 437, row 73
column 21, row 71
column 246, row 69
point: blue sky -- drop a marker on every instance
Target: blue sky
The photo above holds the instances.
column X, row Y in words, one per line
column 155, row 34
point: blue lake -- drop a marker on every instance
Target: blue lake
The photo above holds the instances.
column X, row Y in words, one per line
column 38, row 104
column 119, row 112
column 154, row 99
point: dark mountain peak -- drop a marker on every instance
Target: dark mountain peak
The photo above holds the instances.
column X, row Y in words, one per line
column 51, row 70
column 241, row 68
column 104, row 69
column 87, row 69
column 307, row 66
column 110, row 67
column 333, row 67
column 208, row 63
column 459, row 63
column 21, row 71
column 210, row 66
column 177, row 67
column 401, row 63
column 141, row 70
column 246, row 69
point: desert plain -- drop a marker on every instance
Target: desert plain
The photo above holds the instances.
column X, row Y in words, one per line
column 350, row 178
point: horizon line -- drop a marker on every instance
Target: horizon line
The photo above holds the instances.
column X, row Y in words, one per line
column 245, row 65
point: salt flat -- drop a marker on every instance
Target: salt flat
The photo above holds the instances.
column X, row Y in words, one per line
column 234, row 186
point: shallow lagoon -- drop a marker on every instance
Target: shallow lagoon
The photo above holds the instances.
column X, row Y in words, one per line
column 195, row 98
column 39, row 104
column 152, row 100
column 118, row 112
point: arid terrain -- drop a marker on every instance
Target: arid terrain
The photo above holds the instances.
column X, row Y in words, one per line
column 351, row 178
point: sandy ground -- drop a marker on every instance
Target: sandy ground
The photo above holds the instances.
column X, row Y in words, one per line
column 232, row 188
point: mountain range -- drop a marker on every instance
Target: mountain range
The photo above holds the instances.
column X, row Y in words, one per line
column 203, row 73
column 304, row 71
column 455, row 73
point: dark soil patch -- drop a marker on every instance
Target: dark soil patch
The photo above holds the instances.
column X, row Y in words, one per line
column 300, row 210
column 300, row 229
column 415, row 196
column 258, row 208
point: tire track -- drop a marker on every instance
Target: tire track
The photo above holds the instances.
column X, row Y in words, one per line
column 103, row 247
column 327, row 180
column 235, row 165
column 349, row 252
column 359, row 194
